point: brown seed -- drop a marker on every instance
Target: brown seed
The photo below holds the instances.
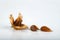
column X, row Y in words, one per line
column 45, row 29
column 33, row 28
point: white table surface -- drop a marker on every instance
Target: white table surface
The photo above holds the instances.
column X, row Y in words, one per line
column 9, row 33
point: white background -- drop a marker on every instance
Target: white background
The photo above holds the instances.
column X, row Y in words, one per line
column 38, row 12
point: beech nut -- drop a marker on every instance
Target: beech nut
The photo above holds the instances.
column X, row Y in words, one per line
column 33, row 28
column 45, row 29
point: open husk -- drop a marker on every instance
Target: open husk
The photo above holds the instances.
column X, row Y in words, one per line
column 17, row 24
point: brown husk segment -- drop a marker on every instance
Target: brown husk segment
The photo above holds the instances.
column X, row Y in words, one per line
column 11, row 19
column 20, row 27
column 33, row 28
column 45, row 29
column 18, row 21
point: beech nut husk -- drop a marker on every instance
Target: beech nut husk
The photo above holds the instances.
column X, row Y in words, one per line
column 17, row 24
